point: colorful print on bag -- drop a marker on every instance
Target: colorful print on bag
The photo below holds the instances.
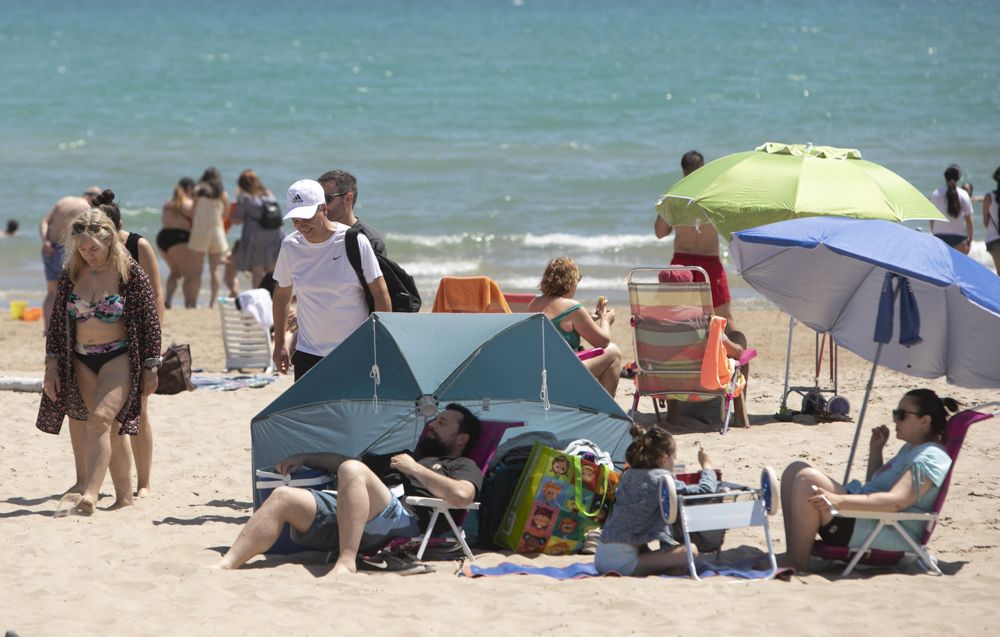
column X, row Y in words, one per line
column 559, row 497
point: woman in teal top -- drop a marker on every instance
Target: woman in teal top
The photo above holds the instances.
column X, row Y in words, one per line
column 910, row 482
column 558, row 286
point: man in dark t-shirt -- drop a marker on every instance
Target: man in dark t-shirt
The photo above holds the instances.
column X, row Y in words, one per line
column 364, row 510
column 341, row 190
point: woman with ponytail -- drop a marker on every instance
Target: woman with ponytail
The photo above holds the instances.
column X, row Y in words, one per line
column 636, row 519
column 956, row 205
column 991, row 219
column 908, row 482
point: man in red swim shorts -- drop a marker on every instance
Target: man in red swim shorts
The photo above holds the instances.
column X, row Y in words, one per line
column 699, row 246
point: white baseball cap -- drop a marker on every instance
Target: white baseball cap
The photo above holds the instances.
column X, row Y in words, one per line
column 304, row 196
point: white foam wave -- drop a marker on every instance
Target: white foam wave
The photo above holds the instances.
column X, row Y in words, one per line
column 598, row 284
column 439, row 268
column 595, row 243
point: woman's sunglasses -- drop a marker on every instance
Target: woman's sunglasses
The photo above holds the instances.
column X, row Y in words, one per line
column 88, row 228
column 900, row 414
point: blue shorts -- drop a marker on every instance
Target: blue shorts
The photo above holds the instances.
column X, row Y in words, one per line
column 53, row 264
column 324, row 534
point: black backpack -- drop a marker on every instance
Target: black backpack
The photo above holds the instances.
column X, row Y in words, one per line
column 402, row 290
column 270, row 217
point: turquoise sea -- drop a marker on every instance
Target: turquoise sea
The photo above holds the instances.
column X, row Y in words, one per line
column 487, row 136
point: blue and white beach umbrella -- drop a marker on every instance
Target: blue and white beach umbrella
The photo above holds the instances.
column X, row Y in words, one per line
column 865, row 281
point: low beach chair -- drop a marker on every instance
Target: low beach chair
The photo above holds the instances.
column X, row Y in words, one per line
column 734, row 506
column 679, row 343
column 489, row 440
column 247, row 342
column 958, row 426
column 469, row 294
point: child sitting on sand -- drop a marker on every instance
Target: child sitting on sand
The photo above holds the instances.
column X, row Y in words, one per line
column 635, row 519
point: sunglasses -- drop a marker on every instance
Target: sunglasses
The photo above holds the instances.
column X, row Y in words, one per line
column 330, row 198
column 88, row 228
column 900, row 414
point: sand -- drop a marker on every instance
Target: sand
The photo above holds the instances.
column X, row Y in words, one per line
column 145, row 570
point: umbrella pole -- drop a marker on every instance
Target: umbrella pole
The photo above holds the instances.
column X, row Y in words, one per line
column 861, row 414
column 788, row 363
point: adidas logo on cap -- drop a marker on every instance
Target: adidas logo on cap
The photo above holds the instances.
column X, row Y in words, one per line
column 297, row 198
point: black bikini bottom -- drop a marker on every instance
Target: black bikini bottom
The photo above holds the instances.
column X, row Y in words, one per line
column 96, row 361
column 169, row 237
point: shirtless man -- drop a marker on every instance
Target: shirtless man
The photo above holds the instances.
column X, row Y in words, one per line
column 51, row 231
column 699, row 246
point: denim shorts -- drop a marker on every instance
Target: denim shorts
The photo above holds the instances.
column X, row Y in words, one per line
column 54, row 263
column 394, row 521
column 620, row 558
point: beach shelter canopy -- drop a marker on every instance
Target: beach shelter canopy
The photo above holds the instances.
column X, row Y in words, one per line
column 865, row 281
column 777, row 181
column 367, row 394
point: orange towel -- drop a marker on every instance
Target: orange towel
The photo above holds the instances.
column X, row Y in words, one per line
column 475, row 294
column 717, row 368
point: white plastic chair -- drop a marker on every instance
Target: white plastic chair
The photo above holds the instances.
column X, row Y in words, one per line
column 247, row 343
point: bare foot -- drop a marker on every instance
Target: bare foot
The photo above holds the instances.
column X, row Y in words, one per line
column 76, row 488
column 121, row 504
column 85, row 506
column 142, row 491
column 344, row 567
column 66, row 504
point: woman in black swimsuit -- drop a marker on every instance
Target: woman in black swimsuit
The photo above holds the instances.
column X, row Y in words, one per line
column 142, row 252
column 173, row 238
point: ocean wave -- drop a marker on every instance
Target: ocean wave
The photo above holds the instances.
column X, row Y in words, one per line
column 593, row 243
column 440, row 268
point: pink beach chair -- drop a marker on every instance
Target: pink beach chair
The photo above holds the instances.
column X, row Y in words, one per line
column 489, row 440
column 958, row 426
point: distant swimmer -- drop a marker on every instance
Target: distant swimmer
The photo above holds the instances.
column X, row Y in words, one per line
column 12, row 226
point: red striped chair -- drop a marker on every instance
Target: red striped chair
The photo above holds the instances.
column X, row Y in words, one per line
column 678, row 341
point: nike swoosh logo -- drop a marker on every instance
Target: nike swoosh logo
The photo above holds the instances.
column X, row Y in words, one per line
column 335, row 258
column 381, row 564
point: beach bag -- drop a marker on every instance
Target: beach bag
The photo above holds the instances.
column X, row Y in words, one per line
column 499, row 486
column 559, row 497
column 402, row 289
column 270, row 216
column 174, row 375
column 268, row 481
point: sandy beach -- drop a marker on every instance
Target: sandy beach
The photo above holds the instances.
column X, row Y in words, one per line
column 145, row 570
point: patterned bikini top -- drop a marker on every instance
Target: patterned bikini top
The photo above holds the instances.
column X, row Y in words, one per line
column 109, row 309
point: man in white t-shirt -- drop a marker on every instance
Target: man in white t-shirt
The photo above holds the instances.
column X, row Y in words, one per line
column 313, row 262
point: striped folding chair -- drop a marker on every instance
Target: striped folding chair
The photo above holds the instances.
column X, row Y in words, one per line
column 677, row 342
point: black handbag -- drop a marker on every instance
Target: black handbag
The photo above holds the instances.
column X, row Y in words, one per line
column 174, row 375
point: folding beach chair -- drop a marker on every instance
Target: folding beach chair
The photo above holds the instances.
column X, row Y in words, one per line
column 678, row 343
column 733, row 506
column 958, row 426
column 247, row 343
column 469, row 294
column 489, row 439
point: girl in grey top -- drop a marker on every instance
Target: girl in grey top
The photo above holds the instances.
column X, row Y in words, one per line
column 635, row 519
column 258, row 247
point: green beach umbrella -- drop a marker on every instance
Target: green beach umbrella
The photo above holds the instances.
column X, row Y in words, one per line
column 784, row 181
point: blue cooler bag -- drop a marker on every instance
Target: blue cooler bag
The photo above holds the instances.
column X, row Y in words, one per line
column 268, row 481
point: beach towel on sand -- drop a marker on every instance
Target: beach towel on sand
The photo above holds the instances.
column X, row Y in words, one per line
column 581, row 570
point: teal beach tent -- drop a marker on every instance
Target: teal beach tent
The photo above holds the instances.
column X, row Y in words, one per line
column 375, row 391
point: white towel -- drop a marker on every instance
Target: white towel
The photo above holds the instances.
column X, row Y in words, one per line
column 256, row 303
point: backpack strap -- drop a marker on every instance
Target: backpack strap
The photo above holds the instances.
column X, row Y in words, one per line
column 352, row 244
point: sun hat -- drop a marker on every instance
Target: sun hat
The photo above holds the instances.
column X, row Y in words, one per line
column 304, row 196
